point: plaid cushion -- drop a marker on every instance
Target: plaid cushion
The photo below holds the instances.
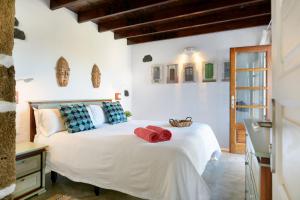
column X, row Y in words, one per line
column 76, row 118
column 114, row 112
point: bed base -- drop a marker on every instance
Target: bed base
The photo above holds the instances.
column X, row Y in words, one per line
column 54, row 179
column 97, row 190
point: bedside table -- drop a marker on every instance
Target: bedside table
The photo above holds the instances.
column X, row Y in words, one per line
column 30, row 170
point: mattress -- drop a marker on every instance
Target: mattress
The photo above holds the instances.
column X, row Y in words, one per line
column 112, row 157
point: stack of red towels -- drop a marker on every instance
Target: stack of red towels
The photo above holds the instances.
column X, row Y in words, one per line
column 153, row 134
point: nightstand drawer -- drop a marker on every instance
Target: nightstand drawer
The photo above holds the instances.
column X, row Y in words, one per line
column 28, row 165
column 27, row 184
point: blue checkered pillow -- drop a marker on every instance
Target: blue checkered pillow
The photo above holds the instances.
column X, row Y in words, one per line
column 114, row 112
column 76, row 118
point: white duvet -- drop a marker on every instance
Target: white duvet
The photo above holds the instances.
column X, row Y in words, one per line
column 112, row 157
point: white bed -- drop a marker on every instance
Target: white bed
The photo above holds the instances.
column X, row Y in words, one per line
column 112, row 157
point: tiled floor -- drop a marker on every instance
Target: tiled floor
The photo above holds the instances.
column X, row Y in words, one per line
column 224, row 177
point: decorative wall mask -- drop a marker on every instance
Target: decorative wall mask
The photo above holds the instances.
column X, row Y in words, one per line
column 62, row 72
column 147, row 58
column 96, row 76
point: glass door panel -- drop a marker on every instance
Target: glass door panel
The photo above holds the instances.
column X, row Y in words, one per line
column 251, row 60
column 250, row 97
column 246, row 113
column 251, row 78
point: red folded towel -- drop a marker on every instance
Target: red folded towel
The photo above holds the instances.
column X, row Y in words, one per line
column 164, row 134
column 147, row 134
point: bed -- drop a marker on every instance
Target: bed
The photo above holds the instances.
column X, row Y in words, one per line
column 112, row 157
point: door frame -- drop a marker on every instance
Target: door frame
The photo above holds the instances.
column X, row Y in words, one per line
column 233, row 145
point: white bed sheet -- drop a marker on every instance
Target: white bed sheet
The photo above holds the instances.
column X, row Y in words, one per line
column 112, row 157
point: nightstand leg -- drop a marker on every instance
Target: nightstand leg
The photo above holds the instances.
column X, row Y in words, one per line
column 97, row 190
column 53, row 177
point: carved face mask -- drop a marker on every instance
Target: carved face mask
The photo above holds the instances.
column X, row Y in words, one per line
column 62, row 72
column 96, row 76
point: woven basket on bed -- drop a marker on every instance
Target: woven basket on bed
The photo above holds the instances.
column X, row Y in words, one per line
column 181, row 123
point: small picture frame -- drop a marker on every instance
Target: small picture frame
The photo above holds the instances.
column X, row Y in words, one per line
column 157, row 73
column 209, row 72
column 189, row 71
column 226, row 71
column 172, row 73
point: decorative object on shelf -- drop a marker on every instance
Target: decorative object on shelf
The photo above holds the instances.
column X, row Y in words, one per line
column 226, row 71
column 128, row 115
column 147, row 58
column 209, row 72
column 189, row 72
column 62, row 72
column 172, row 73
column 96, row 76
column 157, row 74
column 181, row 123
column 118, row 96
column 126, row 93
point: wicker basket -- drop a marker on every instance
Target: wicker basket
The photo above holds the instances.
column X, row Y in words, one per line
column 181, row 123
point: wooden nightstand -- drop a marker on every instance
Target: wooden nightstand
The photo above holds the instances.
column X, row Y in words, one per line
column 30, row 170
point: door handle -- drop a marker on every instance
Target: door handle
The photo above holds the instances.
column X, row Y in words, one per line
column 232, row 102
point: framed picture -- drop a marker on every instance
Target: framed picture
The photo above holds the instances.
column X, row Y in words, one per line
column 172, row 73
column 189, row 71
column 226, row 71
column 209, row 72
column 157, row 74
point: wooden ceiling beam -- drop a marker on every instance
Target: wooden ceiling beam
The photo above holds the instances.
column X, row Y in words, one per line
column 173, row 12
column 56, row 4
column 196, row 20
column 223, row 26
column 118, row 8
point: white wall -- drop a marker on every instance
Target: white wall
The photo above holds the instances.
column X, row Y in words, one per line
column 51, row 34
column 205, row 102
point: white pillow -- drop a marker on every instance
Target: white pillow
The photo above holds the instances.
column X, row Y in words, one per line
column 97, row 115
column 49, row 121
column 37, row 121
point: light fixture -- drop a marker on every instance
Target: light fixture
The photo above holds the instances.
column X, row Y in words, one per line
column 189, row 50
column 26, row 80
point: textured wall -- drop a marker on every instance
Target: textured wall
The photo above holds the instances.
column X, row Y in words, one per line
column 7, row 99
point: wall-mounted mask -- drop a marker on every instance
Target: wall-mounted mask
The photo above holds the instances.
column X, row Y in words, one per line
column 62, row 72
column 96, row 76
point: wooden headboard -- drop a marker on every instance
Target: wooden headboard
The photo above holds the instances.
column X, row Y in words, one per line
column 54, row 104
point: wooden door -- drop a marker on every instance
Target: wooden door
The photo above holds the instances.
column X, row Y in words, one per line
column 286, row 84
column 249, row 90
